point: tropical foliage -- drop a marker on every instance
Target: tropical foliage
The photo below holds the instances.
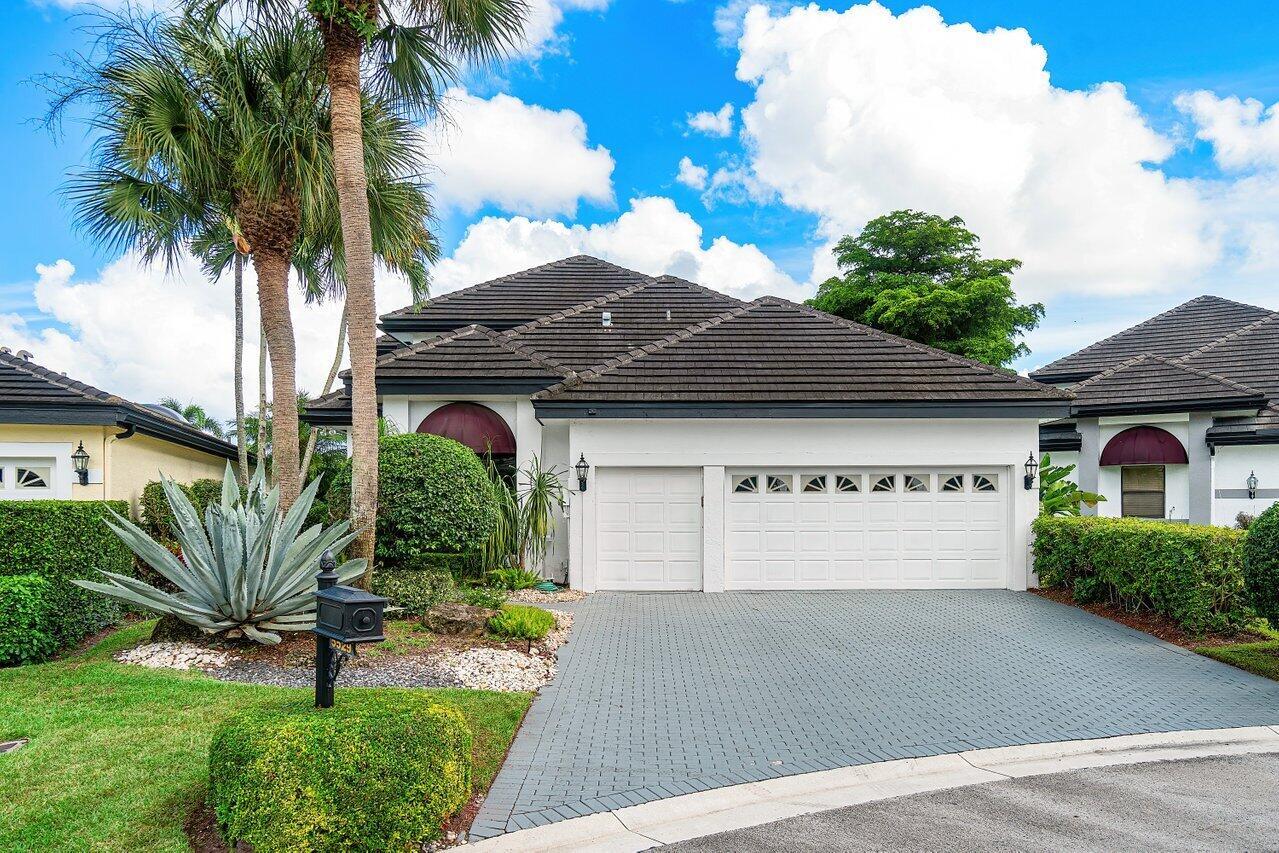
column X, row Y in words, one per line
column 923, row 277
column 1059, row 495
column 196, row 416
column 526, row 517
column 248, row 567
column 1261, row 564
column 24, row 620
column 521, row 622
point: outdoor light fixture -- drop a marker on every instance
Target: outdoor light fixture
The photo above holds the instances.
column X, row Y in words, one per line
column 582, row 467
column 1032, row 467
column 80, row 459
column 1252, row 485
column 343, row 614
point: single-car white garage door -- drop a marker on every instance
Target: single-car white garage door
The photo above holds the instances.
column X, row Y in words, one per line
column 865, row 528
column 649, row 528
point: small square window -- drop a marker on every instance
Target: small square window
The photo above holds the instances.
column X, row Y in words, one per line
column 848, row 483
column 814, row 482
column 887, row 483
column 916, row 484
column 746, row 485
column 32, row 478
column 982, row 483
column 953, row 484
column 779, row 484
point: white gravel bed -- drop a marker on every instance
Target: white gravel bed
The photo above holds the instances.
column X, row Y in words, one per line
column 495, row 669
column 533, row 596
column 174, row 656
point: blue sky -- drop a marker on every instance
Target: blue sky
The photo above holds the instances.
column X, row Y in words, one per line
column 1122, row 201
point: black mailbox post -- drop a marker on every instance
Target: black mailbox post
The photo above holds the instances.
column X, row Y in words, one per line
column 343, row 614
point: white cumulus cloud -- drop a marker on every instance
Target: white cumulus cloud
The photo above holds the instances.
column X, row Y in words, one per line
column 691, row 175
column 653, row 237
column 1244, row 133
column 521, row 157
column 718, row 123
column 861, row 112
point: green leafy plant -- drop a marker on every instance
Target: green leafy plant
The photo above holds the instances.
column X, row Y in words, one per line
column 522, row 622
column 247, row 567
column 1261, row 564
column 526, row 516
column 379, row 771
column 483, row 596
column 1191, row 574
column 414, row 592
column 1057, row 494
column 61, row 541
column 433, row 498
column 157, row 517
column 24, row 630
column 513, row 578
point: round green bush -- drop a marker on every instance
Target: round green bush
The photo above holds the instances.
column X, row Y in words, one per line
column 413, row 591
column 1261, row 564
column 375, row 772
column 521, row 622
column 434, row 496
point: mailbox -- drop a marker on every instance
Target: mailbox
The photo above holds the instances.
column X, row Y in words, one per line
column 349, row 615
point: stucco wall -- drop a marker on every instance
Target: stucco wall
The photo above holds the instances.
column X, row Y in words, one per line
column 1232, row 465
column 58, row 442
column 136, row 461
column 1176, row 477
column 716, row 444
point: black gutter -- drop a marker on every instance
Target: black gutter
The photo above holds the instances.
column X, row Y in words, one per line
column 1169, row 407
column 93, row 414
column 1063, row 378
column 922, row 409
column 522, row 387
column 1227, row 439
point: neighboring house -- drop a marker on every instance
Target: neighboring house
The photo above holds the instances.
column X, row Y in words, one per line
column 725, row 445
column 47, row 418
column 1177, row 417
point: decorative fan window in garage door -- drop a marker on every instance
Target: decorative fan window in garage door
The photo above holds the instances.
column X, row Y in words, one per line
column 848, row 483
column 779, row 484
column 982, row 483
column 814, row 483
column 885, row 484
column 916, row 484
column 746, row 485
column 953, row 484
column 32, row 478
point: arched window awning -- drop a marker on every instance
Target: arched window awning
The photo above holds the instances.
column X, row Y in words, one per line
column 478, row 427
column 1144, row 445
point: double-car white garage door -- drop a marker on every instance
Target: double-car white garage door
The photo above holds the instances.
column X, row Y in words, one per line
column 813, row 528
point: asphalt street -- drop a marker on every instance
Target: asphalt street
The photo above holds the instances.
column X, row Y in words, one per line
column 1226, row 803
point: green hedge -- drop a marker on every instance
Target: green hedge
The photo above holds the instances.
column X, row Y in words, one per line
column 1261, row 564
column 61, row 541
column 24, row 623
column 1192, row 574
column 434, row 497
column 414, row 592
column 378, row 771
column 157, row 517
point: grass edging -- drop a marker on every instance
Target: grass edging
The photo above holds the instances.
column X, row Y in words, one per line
column 1258, row 658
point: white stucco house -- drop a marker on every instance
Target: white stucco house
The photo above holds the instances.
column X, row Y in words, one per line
column 726, row 445
column 1176, row 417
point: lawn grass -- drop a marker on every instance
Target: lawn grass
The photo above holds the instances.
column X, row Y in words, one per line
column 1260, row 658
column 119, row 754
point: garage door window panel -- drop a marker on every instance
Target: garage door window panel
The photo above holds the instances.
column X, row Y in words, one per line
column 779, row 484
column 985, row 483
column 848, row 484
column 953, row 483
column 915, row 483
column 886, row 483
column 746, row 485
column 814, row 483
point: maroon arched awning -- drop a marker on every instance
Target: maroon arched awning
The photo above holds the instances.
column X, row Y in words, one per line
column 1144, row 445
column 478, row 427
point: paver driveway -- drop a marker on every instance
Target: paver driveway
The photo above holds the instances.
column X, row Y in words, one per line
column 669, row 693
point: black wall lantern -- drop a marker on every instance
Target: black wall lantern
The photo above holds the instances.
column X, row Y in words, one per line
column 582, row 468
column 343, row 614
column 1252, row 485
column 80, row 459
column 1032, row 467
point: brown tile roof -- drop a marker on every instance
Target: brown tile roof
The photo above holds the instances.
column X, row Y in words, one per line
column 1156, row 383
column 464, row 355
column 774, row 351
column 519, row 298
column 1172, row 334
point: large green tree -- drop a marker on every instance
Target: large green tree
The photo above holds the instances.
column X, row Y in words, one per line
column 923, row 277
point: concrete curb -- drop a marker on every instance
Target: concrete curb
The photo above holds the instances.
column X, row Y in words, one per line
column 667, row 821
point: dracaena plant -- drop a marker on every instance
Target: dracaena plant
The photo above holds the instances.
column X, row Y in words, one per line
column 245, row 567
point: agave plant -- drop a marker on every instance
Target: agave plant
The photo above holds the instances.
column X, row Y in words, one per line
column 248, row 567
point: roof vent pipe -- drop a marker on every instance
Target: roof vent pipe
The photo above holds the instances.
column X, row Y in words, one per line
column 668, row 315
column 606, row 319
column 25, row 355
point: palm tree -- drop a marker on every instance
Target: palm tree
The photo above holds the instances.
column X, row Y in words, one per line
column 196, row 416
column 213, row 138
column 417, row 47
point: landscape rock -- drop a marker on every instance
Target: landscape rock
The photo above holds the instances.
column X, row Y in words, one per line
column 174, row 656
column 457, row 620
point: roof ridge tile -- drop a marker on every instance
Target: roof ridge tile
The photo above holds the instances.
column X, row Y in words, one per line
column 580, row 307
column 1173, row 362
column 1242, row 330
column 531, row 354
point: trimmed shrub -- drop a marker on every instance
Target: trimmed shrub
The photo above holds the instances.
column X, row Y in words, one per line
column 434, row 497
column 157, row 517
column 414, row 592
column 513, row 578
column 379, row 771
column 1261, row 564
column 522, row 622
column 24, row 633
column 490, row 598
column 62, row 541
column 1190, row 573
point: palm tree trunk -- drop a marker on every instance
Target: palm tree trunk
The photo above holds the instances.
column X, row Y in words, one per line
column 262, row 455
column 342, row 45
column 241, row 445
column 328, row 386
column 273, row 298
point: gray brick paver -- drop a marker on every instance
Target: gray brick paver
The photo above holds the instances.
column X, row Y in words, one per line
column 660, row 694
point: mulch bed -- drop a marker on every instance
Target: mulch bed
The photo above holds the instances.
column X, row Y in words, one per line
column 1150, row 623
column 201, row 827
